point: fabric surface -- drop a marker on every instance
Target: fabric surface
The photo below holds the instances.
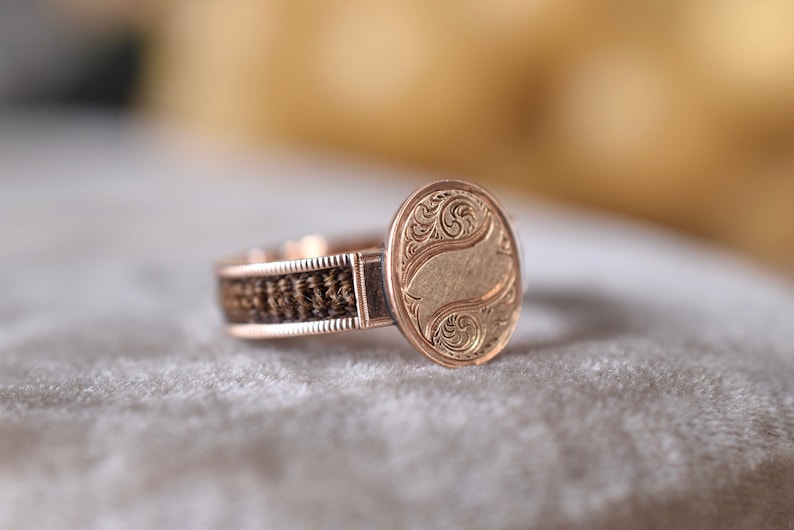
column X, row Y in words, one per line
column 650, row 383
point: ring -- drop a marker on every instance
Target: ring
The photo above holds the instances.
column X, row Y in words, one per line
column 448, row 275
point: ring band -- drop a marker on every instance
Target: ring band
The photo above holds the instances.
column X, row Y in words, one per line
column 448, row 275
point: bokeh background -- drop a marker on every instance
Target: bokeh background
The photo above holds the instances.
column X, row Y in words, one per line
column 678, row 112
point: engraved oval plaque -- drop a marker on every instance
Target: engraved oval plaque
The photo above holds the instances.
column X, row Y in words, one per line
column 453, row 273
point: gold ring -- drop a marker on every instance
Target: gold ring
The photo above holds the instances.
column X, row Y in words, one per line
column 448, row 275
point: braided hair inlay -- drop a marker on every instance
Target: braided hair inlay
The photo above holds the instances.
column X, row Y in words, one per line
column 298, row 297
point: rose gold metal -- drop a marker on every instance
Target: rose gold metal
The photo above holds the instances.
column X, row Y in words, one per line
column 291, row 329
column 373, row 309
column 453, row 274
column 449, row 276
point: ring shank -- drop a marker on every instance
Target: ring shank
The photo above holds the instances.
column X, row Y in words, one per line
column 306, row 287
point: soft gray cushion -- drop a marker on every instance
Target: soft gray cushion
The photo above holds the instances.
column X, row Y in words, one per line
column 650, row 383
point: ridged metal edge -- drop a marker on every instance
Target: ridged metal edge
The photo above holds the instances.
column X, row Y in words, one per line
column 275, row 268
column 292, row 329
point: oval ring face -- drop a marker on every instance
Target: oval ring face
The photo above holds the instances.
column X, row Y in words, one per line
column 453, row 273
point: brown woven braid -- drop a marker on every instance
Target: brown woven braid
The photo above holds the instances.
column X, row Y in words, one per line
column 299, row 297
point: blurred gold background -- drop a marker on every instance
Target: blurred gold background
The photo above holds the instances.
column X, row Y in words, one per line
column 679, row 112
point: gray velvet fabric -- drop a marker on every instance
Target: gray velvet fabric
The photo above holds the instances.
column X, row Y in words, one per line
column 650, row 383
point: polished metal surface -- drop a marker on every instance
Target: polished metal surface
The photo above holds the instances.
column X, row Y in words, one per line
column 453, row 273
column 449, row 276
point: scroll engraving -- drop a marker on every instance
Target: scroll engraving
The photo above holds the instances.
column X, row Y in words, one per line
column 458, row 274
